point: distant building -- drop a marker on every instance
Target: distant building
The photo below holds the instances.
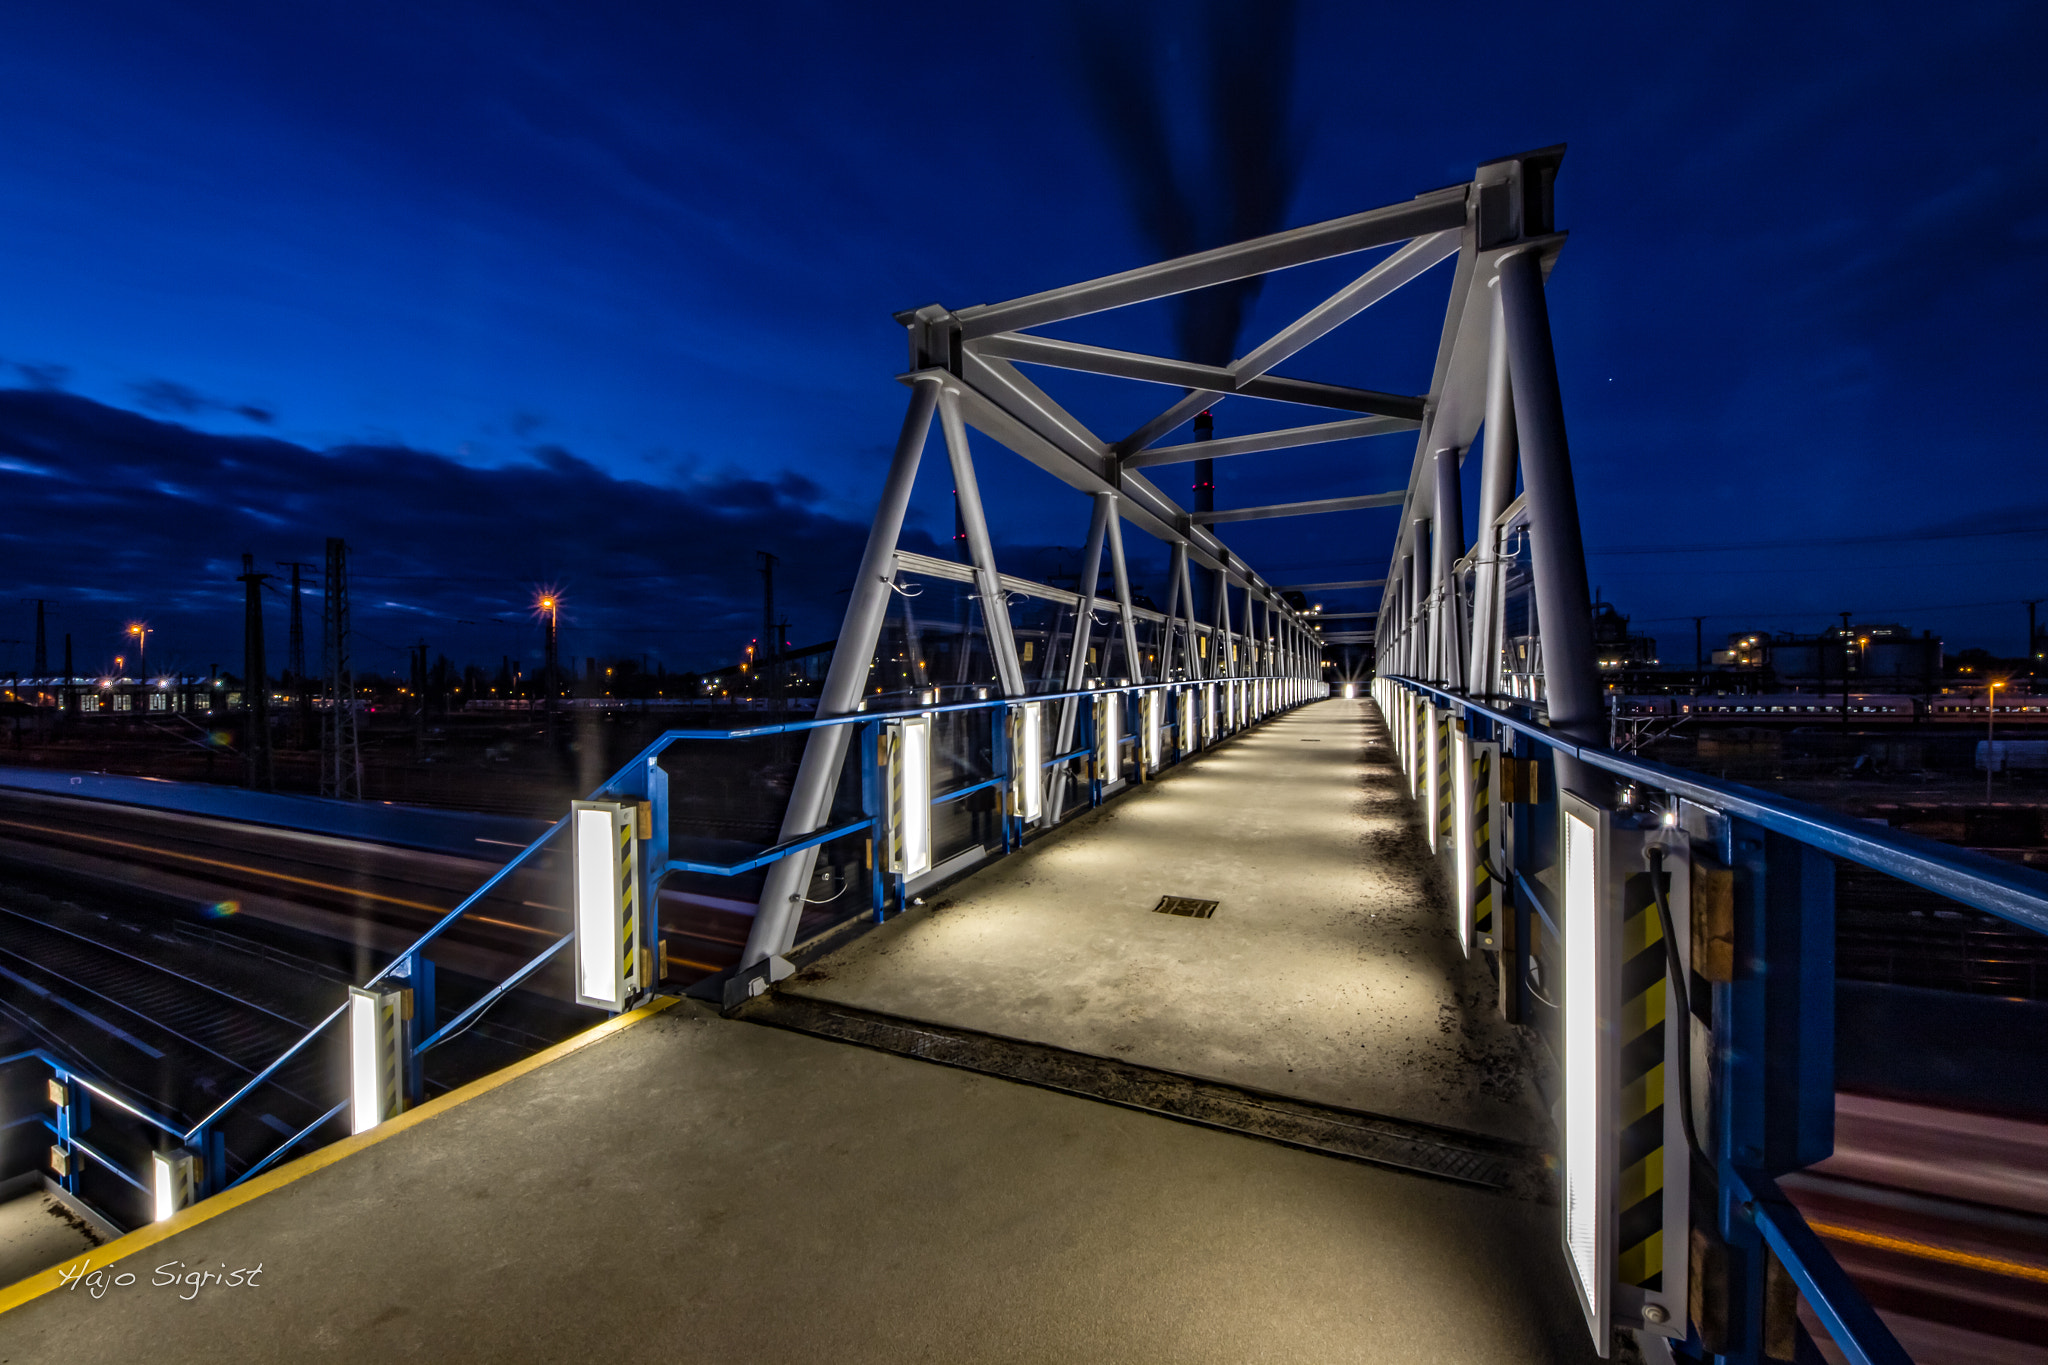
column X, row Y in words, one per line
column 110, row 696
column 1615, row 647
column 1884, row 658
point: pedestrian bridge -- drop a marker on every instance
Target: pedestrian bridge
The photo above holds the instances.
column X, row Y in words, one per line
column 1295, row 1127
column 1214, row 982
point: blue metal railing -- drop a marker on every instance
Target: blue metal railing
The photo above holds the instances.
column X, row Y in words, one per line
column 1260, row 698
column 1762, row 1129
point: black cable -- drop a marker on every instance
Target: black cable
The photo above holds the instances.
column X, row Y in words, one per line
column 1655, row 857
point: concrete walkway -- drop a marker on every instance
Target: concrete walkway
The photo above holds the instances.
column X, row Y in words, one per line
column 1328, row 973
column 691, row 1188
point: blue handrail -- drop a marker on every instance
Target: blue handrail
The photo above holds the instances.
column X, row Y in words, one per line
column 2011, row 892
column 403, row 963
column 2016, row 894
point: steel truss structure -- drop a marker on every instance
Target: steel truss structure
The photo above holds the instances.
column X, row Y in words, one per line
column 967, row 369
column 1443, row 609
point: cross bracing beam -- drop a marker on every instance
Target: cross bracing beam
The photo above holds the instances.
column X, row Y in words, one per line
column 1184, row 408
column 1437, row 211
column 1285, row 439
column 1153, row 369
column 1348, row 302
column 998, row 400
column 1345, row 615
column 1335, row 587
column 1301, row 509
column 925, row 566
column 1383, row 279
column 1345, row 637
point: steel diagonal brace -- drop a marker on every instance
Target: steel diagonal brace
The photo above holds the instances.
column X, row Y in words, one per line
column 1152, row 369
column 1383, row 279
column 1437, row 211
column 1012, row 411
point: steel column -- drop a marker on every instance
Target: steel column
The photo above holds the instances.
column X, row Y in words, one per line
column 1564, row 605
column 1496, row 490
column 1419, row 656
column 810, row 797
column 1132, row 662
column 1169, row 628
column 1448, row 539
column 1100, row 511
column 1225, row 665
column 995, row 609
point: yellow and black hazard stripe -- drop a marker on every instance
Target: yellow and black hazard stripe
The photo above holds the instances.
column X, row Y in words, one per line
column 1418, row 720
column 1447, row 777
column 891, row 746
column 629, row 898
column 1639, row 1194
column 1482, row 843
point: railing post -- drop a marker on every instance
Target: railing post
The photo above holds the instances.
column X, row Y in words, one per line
column 871, row 807
column 1000, row 746
column 214, row 1148
column 74, row 1116
column 424, row 1007
column 1736, row 1267
column 1773, row 1083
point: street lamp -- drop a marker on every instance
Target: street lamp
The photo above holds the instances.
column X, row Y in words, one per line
column 549, row 606
column 1990, row 729
column 141, row 634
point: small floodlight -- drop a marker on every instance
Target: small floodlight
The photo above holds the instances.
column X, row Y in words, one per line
column 1465, row 861
column 606, row 856
column 910, row 797
column 1109, row 736
column 1433, row 779
column 376, row 1038
column 1588, row 1169
column 174, row 1180
column 1028, row 761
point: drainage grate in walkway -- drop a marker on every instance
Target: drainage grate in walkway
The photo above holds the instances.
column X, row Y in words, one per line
column 1185, row 905
column 1510, row 1168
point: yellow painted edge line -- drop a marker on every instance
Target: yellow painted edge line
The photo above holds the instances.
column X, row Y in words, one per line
column 41, row 1283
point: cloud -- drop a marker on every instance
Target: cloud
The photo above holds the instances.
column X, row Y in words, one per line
column 43, row 376
column 169, row 396
column 110, row 506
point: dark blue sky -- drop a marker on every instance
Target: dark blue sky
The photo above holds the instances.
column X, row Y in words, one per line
column 643, row 260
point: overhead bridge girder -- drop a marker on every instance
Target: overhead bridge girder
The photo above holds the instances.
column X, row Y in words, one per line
column 968, row 368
